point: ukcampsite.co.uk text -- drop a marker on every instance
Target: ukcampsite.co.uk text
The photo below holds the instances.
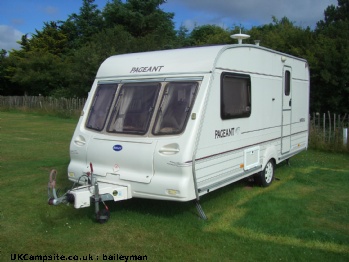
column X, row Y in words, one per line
column 57, row 257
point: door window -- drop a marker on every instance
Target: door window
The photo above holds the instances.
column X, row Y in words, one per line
column 287, row 82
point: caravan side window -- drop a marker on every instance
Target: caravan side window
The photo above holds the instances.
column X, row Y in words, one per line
column 100, row 106
column 235, row 96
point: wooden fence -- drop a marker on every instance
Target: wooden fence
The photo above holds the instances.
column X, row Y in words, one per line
column 43, row 103
column 329, row 127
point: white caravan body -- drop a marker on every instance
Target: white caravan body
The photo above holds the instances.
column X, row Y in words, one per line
column 177, row 124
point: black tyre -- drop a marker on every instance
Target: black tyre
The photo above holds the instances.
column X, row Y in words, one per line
column 266, row 176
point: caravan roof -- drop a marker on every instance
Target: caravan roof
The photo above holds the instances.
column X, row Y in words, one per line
column 195, row 60
column 160, row 62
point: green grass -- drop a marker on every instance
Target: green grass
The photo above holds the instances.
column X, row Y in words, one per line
column 303, row 216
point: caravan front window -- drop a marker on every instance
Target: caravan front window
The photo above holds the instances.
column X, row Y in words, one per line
column 100, row 106
column 175, row 107
column 134, row 108
column 235, row 96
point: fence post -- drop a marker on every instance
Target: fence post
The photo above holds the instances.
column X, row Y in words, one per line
column 334, row 128
column 324, row 125
column 314, row 121
column 329, row 121
column 319, row 121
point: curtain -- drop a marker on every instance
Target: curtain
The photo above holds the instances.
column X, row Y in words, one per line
column 125, row 101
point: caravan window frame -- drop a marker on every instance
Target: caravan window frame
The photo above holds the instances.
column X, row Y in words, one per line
column 130, row 115
column 243, row 110
column 287, row 82
column 175, row 107
column 98, row 113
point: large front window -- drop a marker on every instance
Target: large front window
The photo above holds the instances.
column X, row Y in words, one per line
column 101, row 106
column 175, row 107
column 134, row 108
column 129, row 108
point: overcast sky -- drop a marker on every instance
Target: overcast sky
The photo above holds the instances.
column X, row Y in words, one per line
column 18, row 17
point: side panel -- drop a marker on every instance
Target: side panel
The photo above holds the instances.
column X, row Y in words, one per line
column 296, row 106
column 300, row 115
column 232, row 149
column 276, row 128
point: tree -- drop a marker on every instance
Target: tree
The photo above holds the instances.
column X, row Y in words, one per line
column 4, row 82
column 51, row 39
column 330, row 69
column 81, row 27
column 84, row 63
column 282, row 35
column 183, row 37
column 334, row 14
column 142, row 19
column 38, row 67
column 37, row 72
column 209, row 34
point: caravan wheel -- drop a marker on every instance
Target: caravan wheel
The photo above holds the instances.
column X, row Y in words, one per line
column 266, row 176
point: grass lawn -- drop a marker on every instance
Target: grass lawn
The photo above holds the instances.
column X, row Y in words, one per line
column 302, row 216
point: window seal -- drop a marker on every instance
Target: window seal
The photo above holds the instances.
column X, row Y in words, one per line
column 248, row 107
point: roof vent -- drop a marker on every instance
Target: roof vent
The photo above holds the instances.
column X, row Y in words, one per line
column 240, row 37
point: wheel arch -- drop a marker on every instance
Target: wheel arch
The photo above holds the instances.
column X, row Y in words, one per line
column 269, row 154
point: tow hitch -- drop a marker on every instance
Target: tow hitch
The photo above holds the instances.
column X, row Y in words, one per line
column 52, row 193
column 81, row 196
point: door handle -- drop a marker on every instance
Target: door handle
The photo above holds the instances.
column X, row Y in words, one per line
column 170, row 149
column 290, row 103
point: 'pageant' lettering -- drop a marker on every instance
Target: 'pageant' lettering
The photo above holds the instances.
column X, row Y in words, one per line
column 224, row 133
column 146, row 69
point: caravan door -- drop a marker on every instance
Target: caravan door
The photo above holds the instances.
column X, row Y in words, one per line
column 286, row 110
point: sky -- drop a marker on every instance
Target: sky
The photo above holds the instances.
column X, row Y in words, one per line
column 19, row 17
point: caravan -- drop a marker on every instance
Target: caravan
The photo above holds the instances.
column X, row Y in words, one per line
column 178, row 124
